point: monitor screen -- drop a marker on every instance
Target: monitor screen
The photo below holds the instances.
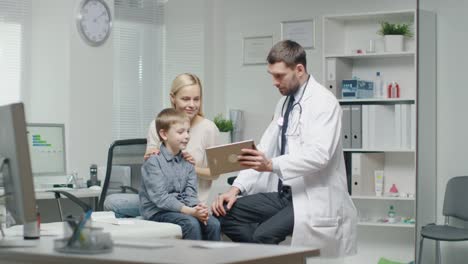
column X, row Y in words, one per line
column 15, row 168
column 47, row 147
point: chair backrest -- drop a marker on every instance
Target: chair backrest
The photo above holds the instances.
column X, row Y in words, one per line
column 456, row 198
column 124, row 160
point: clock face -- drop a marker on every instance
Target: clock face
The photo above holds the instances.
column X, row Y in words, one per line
column 94, row 21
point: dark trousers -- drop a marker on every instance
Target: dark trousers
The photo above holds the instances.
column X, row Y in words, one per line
column 265, row 218
column 191, row 228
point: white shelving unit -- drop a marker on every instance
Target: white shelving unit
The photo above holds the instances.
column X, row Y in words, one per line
column 395, row 225
column 373, row 55
column 376, row 150
column 381, row 101
column 387, row 198
column 388, row 135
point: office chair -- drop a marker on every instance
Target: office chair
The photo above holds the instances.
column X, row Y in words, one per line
column 455, row 205
column 122, row 188
column 58, row 195
column 125, row 158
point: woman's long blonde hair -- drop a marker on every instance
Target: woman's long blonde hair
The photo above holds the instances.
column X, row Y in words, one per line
column 183, row 80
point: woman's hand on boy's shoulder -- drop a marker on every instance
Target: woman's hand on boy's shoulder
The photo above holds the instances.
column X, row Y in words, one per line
column 188, row 157
column 150, row 152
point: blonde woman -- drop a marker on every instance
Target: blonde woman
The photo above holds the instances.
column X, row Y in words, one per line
column 186, row 96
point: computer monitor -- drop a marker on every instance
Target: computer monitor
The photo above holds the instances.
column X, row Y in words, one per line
column 47, row 149
column 15, row 166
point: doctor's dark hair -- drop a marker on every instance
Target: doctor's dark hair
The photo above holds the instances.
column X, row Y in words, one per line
column 168, row 117
column 289, row 52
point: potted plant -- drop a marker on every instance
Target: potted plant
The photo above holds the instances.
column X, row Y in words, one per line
column 225, row 127
column 394, row 34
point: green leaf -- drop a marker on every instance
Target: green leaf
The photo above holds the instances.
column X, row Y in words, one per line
column 224, row 125
column 387, row 28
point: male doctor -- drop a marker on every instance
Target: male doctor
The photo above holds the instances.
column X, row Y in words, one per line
column 297, row 181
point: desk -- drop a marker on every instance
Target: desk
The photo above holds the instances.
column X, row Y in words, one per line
column 150, row 233
column 48, row 205
column 178, row 251
column 80, row 193
column 92, row 197
column 49, row 208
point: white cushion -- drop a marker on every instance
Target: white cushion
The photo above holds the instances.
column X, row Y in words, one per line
column 130, row 228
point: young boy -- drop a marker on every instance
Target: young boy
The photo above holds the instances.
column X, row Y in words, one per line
column 168, row 190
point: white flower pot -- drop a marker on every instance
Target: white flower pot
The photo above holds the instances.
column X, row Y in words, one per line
column 393, row 43
column 224, row 137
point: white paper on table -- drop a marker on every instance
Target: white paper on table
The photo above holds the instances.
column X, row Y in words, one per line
column 215, row 245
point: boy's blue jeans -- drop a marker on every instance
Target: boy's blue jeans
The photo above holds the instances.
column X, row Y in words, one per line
column 191, row 227
column 123, row 204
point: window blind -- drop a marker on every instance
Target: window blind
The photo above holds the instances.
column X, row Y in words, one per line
column 138, row 66
column 14, row 40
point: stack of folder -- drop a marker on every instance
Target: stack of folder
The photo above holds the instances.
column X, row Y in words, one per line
column 384, row 127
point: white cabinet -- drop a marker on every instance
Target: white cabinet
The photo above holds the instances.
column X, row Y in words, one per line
column 387, row 128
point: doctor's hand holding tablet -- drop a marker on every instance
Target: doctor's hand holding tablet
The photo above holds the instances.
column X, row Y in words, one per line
column 255, row 159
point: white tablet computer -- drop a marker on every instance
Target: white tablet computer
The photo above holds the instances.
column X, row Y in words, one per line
column 223, row 158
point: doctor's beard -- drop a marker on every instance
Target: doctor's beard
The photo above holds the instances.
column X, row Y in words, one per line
column 294, row 86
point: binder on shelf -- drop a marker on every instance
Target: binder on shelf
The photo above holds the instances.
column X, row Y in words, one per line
column 398, row 126
column 363, row 166
column 356, row 127
column 381, row 126
column 405, row 126
column 346, row 126
column 371, row 126
column 365, row 126
column 385, row 126
column 331, row 77
column 413, row 126
column 356, row 179
column 336, row 70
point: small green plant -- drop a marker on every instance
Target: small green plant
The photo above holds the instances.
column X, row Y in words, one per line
column 224, row 125
column 387, row 28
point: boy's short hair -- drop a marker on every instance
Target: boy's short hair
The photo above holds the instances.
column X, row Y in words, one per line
column 167, row 117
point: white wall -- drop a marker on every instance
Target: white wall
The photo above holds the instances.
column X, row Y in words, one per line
column 91, row 97
column 249, row 87
column 189, row 32
column 71, row 83
column 451, row 101
column 50, row 62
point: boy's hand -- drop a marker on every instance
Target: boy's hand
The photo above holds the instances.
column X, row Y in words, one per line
column 150, row 152
column 188, row 157
column 201, row 213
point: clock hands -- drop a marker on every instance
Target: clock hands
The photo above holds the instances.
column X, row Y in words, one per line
column 96, row 18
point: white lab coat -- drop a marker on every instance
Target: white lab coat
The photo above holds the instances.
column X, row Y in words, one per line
column 324, row 214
